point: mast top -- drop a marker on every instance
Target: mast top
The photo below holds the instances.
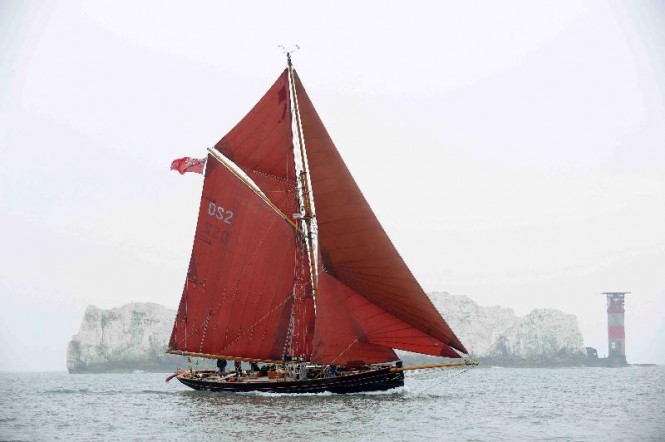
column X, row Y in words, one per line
column 288, row 52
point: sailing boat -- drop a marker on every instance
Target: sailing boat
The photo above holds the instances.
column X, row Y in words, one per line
column 291, row 269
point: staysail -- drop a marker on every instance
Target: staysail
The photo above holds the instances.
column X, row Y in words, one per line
column 350, row 328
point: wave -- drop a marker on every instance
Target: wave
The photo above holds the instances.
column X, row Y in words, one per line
column 67, row 391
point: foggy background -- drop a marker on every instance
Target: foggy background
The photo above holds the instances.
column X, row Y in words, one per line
column 513, row 151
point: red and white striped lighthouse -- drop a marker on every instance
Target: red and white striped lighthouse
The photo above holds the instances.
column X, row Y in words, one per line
column 616, row 334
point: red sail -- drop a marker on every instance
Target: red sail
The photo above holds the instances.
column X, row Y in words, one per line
column 262, row 146
column 238, row 296
column 354, row 246
column 350, row 328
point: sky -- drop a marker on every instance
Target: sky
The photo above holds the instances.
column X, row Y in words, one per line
column 514, row 151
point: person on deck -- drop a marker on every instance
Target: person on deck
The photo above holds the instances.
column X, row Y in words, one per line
column 221, row 365
column 238, row 365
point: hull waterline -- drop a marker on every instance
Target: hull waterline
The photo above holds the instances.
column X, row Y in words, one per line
column 372, row 380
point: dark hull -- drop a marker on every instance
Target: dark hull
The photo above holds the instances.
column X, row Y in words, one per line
column 373, row 380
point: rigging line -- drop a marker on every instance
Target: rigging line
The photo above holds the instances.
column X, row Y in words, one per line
column 362, row 264
column 431, row 382
column 247, row 264
column 288, row 341
column 369, row 288
column 250, row 184
column 374, row 292
column 445, row 379
column 213, row 311
column 276, row 178
column 211, row 356
column 253, row 326
column 364, row 271
column 338, row 356
column 344, row 351
column 375, row 280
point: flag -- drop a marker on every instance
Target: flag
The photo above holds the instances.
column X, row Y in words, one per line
column 188, row 164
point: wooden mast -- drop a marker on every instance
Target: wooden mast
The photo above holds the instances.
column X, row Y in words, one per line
column 307, row 203
column 226, row 163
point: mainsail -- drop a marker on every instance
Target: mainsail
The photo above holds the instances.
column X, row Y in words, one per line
column 248, row 294
column 262, row 145
column 237, row 300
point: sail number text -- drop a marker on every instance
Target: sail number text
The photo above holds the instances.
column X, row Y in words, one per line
column 219, row 213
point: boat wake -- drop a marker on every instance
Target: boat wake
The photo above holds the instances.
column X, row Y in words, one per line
column 393, row 392
column 273, row 394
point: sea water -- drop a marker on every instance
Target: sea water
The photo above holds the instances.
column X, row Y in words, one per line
column 480, row 404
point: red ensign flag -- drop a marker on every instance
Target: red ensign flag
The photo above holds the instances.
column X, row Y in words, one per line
column 188, row 164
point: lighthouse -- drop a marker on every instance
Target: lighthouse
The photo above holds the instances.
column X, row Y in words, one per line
column 616, row 335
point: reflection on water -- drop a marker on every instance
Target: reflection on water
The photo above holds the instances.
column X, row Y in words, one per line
column 286, row 415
